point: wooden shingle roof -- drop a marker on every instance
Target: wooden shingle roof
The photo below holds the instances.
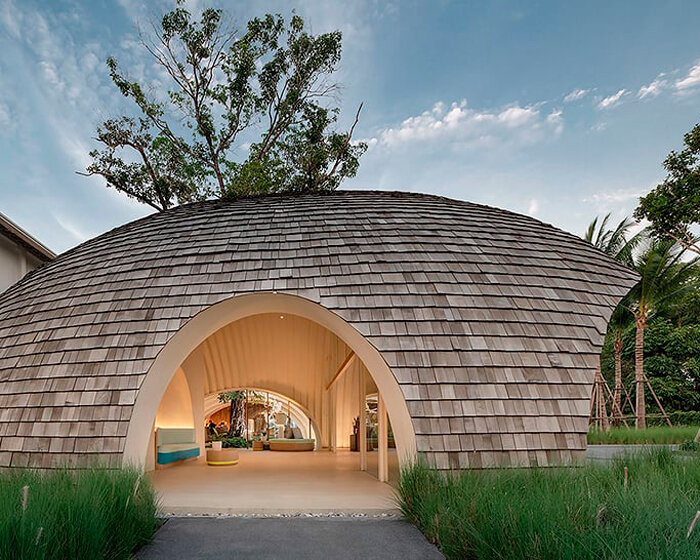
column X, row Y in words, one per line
column 491, row 321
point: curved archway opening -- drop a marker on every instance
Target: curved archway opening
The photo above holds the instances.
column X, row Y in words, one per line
column 290, row 412
column 287, row 345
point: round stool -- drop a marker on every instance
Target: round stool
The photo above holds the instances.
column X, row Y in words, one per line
column 222, row 457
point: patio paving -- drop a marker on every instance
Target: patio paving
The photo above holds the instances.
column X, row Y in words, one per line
column 268, row 482
column 288, row 538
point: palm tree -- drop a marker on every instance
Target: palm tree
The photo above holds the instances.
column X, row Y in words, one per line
column 614, row 242
column 664, row 277
column 620, row 245
column 620, row 322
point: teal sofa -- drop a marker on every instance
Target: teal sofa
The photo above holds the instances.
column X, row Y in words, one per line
column 175, row 444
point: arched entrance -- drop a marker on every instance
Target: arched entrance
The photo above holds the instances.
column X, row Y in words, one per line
column 297, row 412
column 203, row 327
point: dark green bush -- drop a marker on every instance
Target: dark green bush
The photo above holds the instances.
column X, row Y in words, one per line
column 651, row 435
column 78, row 515
column 678, row 418
column 582, row 513
column 228, row 442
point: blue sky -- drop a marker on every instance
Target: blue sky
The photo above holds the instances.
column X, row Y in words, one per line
column 560, row 110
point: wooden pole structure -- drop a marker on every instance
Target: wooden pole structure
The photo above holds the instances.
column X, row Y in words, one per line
column 598, row 402
column 347, row 362
column 333, row 423
column 616, row 410
column 362, row 433
column 658, row 402
column 383, row 441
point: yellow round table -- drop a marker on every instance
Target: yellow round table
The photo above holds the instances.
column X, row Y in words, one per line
column 222, row 457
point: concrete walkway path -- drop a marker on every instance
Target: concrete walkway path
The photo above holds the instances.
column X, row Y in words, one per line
column 291, row 538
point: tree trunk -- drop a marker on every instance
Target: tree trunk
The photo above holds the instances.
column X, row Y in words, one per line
column 236, row 426
column 617, row 396
column 640, row 324
column 599, row 396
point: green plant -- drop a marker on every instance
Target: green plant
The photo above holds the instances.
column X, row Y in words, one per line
column 82, row 515
column 234, row 442
column 651, row 435
column 596, row 511
column 228, row 441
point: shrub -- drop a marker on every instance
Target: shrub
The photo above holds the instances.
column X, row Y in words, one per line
column 560, row 513
column 230, row 441
column 237, row 442
column 91, row 514
column 652, row 435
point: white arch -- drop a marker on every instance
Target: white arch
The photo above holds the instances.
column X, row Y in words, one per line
column 208, row 411
column 210, row 320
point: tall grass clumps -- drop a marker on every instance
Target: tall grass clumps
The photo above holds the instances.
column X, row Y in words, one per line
column 91, row 514
column 594, row 512
column 652, row 435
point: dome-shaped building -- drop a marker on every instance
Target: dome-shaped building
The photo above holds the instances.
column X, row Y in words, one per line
column 478, row 329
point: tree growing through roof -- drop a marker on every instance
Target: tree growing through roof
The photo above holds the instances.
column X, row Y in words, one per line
column 673, row 207
column 237, row 404
column 265, row 92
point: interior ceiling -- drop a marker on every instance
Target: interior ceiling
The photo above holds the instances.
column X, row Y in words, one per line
column 286, row 354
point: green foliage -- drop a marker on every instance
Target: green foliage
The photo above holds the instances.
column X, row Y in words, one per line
column 654, row 435
column 568, row 514
column 228, row 442
column 666, row 277
column 83, row 515
column 618, row 243
column 671, row 362
column 674, row 205
column 692, row 446
column 231, row 396
column 263, row 92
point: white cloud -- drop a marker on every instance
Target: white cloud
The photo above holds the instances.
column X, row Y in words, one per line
column 556, row 119
column 653, row 89
column 612, row 100
column 620, row 201
column 690, row 81
column 9, row 18
column 460, row 124
column 72, row 228
column 576, row 95
column 5, row 119
column 533, row 207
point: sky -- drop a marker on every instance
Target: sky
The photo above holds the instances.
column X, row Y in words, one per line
column 560, row 110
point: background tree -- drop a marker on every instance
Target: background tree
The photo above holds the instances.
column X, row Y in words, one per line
column 665, row 278
column 674, row 205
column 263, row 92
column 237, row 400
column 617, row 242
column 620, row 323
column 620, row 245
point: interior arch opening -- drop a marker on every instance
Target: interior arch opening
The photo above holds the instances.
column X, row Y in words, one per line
column 302, row 382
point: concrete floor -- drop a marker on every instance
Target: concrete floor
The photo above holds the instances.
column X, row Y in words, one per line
column 289, row 538
column 267, row 482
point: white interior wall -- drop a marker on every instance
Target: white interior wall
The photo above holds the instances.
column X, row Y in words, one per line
column 175, row 410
